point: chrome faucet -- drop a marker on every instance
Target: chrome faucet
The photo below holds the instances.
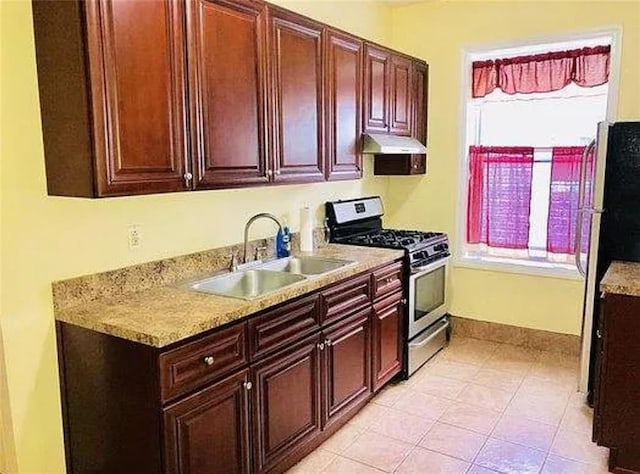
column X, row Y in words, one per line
column 251, row 221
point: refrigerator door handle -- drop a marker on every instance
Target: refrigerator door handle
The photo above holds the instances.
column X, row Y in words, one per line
column 577, row 244
column 581, row 192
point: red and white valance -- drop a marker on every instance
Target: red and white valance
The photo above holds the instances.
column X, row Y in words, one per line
column 586, row 67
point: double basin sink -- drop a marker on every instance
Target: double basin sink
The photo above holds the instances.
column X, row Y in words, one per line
column 266, row 277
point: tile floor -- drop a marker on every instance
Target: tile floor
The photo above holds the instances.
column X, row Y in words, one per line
column 478, row 408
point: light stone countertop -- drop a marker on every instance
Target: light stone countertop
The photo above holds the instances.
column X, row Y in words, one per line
column 622, row 278
column 164, row 315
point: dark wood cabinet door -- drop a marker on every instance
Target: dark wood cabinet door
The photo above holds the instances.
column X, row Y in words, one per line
column 388, row 327
column 297, row 97
column 286, row 402
column 377, row 66
column 343, row 95
column 617, row 388
column 347, row 365
column 420, row 99
column 137, row 61
column 400, row 96
column 209, row 431
column 227, row 78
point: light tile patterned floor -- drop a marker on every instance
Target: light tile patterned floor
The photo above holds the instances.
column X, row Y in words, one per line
column 476, row 408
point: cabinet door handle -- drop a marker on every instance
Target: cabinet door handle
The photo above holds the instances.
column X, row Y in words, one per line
column 328, row 342
column 187, row 178
column 277, row 172
column 248, row 385
column 599, row 334
column 269, row 173
column 321, row 346
column 403, row 301
column 209, row 360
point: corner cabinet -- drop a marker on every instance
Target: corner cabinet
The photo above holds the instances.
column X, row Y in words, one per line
column 617, row 386
column 114, row 112
column 254, row 396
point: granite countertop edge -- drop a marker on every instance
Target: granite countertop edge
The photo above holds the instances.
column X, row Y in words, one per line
column 162, row 316
column 622, row 278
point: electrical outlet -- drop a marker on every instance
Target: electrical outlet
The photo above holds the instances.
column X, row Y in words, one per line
column 135, row 236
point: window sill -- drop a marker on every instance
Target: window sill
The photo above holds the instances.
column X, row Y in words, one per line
column 522, row 267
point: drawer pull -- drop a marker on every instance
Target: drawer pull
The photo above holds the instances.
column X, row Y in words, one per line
column 248, row 385
column 208, row 360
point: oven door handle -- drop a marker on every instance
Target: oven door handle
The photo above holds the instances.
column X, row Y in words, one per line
column 430, row 267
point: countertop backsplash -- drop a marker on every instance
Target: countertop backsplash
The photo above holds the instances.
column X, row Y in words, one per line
column 144, row 276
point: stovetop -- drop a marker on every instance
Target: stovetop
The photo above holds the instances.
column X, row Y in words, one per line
column 392, row 238
column 359, row 222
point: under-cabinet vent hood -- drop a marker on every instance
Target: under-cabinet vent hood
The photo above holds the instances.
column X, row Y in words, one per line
column 378, row 143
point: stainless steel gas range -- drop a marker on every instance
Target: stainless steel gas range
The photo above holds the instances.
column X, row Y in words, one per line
column 359, row 222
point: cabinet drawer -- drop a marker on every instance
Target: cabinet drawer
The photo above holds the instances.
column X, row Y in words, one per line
column 345, row 298
column 387, row 280
column 196, row 363
column 282, row 326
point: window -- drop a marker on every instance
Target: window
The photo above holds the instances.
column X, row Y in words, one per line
column 524, row 150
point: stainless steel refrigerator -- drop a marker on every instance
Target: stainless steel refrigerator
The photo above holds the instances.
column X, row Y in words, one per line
column 608, row 226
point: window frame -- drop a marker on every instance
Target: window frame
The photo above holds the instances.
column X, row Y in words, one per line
column 469, row 54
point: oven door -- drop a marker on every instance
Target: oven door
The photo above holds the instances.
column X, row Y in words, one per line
column 427, row 295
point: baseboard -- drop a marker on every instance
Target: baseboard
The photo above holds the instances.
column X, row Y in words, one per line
column 525, row 337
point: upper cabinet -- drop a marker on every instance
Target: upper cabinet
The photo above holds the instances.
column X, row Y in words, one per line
column 112, row 94
column 297, row 98
column 141, row 97
column 400, row 96
column 420, row 98
column 343, row 100
column 228, row 84
column 388, row 89
column 377, row 64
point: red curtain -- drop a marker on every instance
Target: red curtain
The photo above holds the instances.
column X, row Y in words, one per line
column 587, row 67
column 499, row 196
column 563, row 199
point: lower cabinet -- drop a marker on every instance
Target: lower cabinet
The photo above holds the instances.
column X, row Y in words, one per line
column 286, row 402
column 308, row 387
column 617, row 382
column 209, row 431
column 255, row 396
column 347, row 364
column 388, row 338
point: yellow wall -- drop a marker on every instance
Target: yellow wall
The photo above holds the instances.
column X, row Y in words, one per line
column 49, row 238
column 437, row 32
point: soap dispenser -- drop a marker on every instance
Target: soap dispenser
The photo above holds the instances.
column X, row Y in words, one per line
column 283, row 242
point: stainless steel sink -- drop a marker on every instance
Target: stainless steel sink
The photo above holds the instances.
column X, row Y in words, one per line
column 247, row 284
column 306, row 265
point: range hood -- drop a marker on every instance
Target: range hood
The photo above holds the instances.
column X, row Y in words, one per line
column 383, row 144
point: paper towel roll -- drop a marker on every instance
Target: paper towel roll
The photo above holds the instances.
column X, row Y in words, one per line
column 306, row 230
